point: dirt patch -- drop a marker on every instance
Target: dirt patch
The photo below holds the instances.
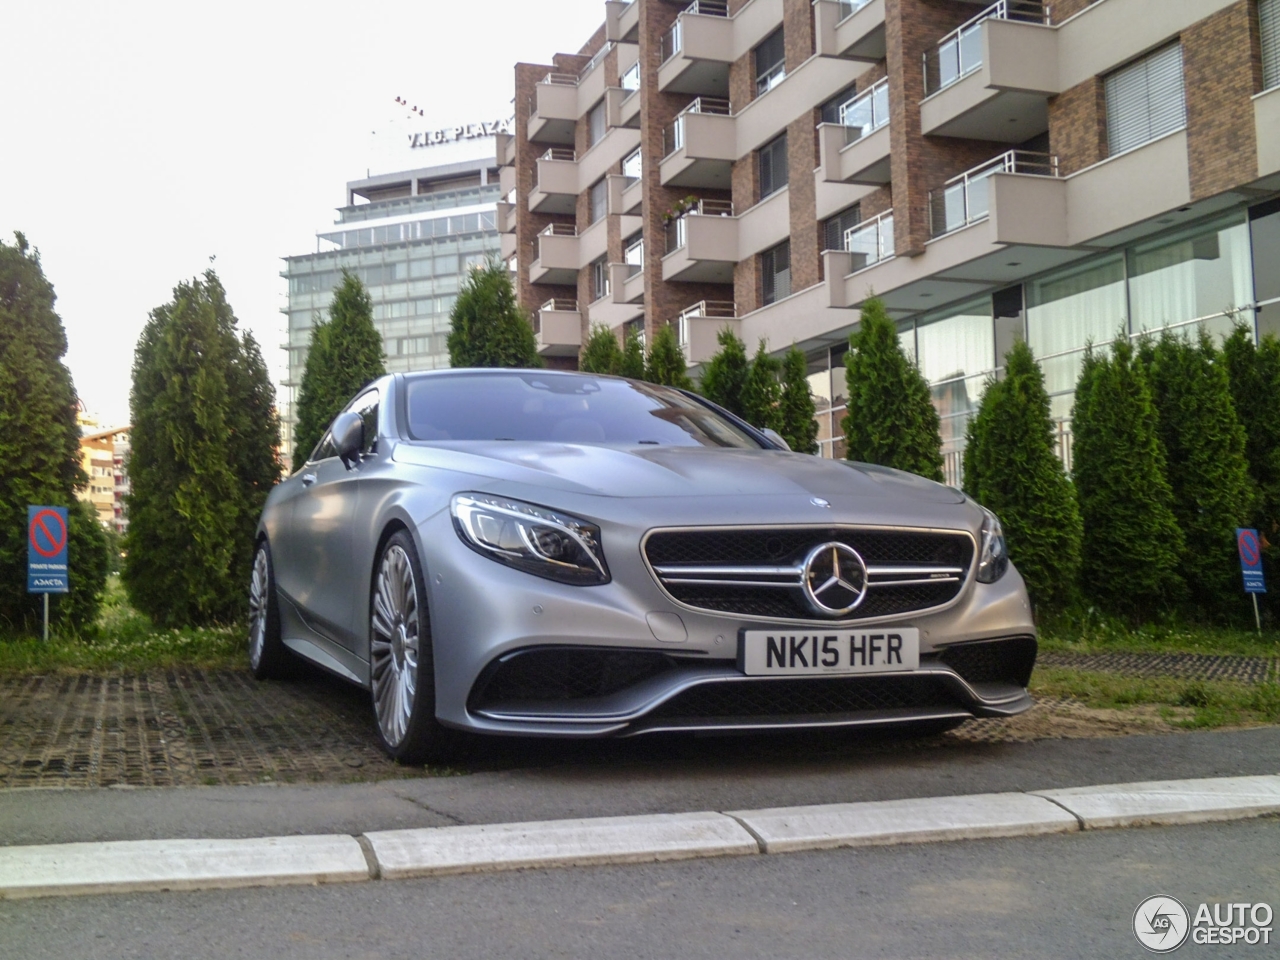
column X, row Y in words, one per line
column 1058, row 719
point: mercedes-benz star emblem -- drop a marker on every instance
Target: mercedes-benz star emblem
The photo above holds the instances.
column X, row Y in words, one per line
column 835, row 579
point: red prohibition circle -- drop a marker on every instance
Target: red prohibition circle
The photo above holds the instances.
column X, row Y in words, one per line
column 40, row 523
column 1248, row 543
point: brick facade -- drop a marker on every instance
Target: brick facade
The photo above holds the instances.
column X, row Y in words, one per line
column 1078, row 126
column 1221, row 142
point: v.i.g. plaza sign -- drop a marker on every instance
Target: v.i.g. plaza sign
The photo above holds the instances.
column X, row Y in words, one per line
column 469, row 131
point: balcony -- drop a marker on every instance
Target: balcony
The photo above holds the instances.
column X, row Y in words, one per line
column 702, row 244
column 699, row 146
column 966, row 199
column 856, row 150
column 697, row 51
column 553, row 109
column 557, row 260
column 622, row 21
column 1266, row 121
column 853, row 29
column 627, row 281
column 991, row 78
column 506, row 217
column 699, row 326
column 504, row 149
column 555, row 182
column 557, row 328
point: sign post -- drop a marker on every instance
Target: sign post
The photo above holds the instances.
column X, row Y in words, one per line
column 47, row 555
column 1251, row 568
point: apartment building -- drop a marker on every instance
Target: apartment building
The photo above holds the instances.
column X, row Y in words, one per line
column 103, row 455
column 1064, row 172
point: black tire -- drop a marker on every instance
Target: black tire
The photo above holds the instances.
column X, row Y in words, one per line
column 401, row 659
column 269, row 658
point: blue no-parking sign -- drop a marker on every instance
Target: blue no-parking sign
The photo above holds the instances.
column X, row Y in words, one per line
column 1250, row 560
column 47, row 550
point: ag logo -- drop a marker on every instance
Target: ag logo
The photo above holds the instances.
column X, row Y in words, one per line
column 1161, row 924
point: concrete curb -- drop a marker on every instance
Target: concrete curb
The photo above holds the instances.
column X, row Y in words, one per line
column 128, row 866
column 557, row 843
column 132, row 866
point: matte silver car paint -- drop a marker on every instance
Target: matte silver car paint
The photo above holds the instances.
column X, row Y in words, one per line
column 325, row 537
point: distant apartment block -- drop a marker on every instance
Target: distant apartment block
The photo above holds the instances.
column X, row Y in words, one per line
column 1061, row 172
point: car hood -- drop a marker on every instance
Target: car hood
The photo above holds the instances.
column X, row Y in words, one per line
column 658, row 471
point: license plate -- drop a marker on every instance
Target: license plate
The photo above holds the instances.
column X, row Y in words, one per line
column 775, row 652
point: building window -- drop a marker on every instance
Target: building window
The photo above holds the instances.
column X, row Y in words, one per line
column 599, row 201
column 1146, row 99
column 833, row 228
column 770, row 59
column 630, row 81
column 1192, row 274
column 631, row 166
column 775, row 272
column 595, row 125
column 599, row 278
column 773, row 166
column 633, row 253
column 1269, row 31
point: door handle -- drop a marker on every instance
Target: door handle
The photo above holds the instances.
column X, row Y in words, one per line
column 308, row 479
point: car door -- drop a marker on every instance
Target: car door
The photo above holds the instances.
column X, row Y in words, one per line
column 324, row 536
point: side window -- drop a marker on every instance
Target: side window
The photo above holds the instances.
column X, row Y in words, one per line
column 367, row 406
column 324, row 449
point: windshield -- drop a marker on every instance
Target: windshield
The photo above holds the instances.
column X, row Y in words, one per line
column 562, row 408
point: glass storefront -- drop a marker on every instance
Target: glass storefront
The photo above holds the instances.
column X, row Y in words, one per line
column 1199, row 278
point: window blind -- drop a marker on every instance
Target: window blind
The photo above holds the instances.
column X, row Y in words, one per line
column 1146, row 99
column 775, row 271
column 1269, row 30
column 773, row 166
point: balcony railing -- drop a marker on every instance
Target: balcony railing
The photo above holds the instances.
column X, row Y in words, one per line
column 633, row 164
column 966, row 199
column 600, row 55
column 708, row 309
column 677, row 232
column 559, row 230
column 959, row 53
column 865, row 113
column 563, row 79
column 673, row 39
column 870, row 241
column 849, row 7
column 555, row 153
column 673, row 134
column 771, row 78
column 633, row 256
column 558, row 306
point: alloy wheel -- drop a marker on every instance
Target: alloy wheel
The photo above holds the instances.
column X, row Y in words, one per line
column 394, row 644
column 259, row 585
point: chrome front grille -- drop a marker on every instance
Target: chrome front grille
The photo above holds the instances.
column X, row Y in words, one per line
column 759, row 572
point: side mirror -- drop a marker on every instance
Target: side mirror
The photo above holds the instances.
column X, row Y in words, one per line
column 776, row 437
column 348, row 437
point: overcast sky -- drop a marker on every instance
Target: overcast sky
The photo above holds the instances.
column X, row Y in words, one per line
column 137, row 140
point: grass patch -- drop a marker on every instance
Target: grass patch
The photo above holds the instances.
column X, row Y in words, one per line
column 1089, row 632
column 1216, row 703
column 123, row 639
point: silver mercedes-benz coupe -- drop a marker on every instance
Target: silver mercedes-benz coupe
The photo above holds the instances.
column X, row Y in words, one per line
column 562, row 554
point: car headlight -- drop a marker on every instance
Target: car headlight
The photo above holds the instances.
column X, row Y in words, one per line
column 534, row 539
column 994, row 559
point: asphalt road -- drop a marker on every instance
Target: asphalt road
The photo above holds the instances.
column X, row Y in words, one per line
column 1062, row 896
column 545, row 781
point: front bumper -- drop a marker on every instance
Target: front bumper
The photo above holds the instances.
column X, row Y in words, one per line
column 584, row 691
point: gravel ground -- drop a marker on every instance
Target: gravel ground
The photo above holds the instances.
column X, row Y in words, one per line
column 194, row 727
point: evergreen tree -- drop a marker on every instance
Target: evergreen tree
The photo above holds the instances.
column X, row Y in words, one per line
column 799, row 416
column 725, row 375
column 487, row 326
column 891, row 419
column 666, row 364
column 346, row 354
column 1132, row 543
column 762, row 393
column 601, row 354
column 1010, row 467
column 632, row 363
column 1208, row 473
column 1255, row 391
column 40, row 447
column 202, row 459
